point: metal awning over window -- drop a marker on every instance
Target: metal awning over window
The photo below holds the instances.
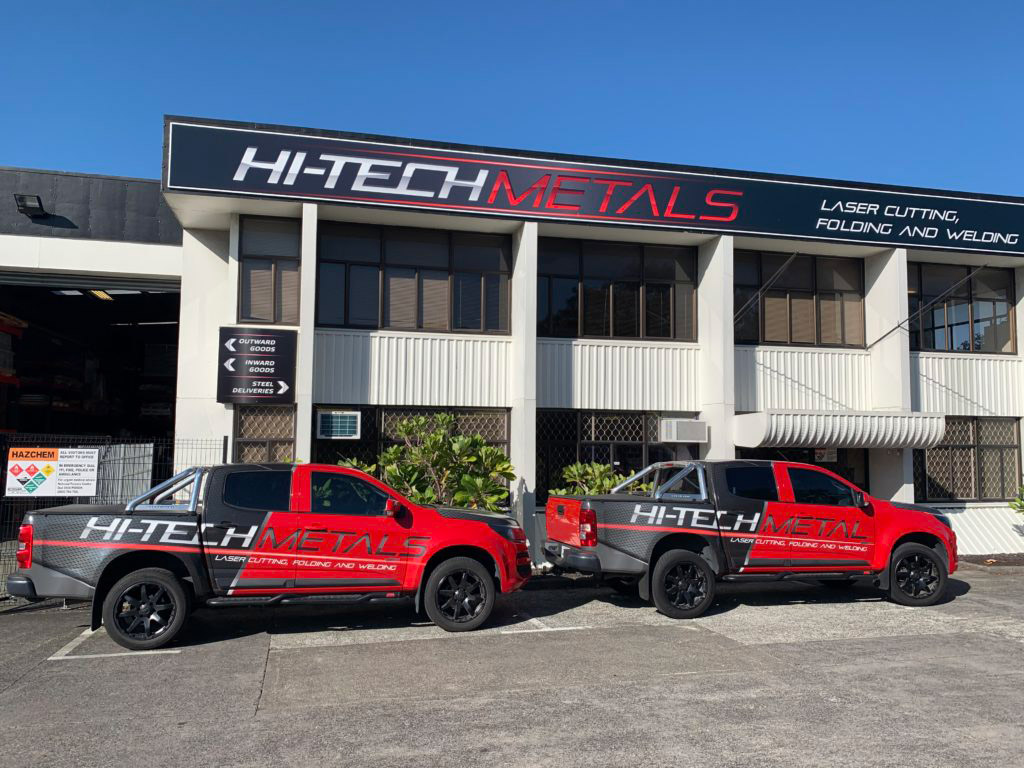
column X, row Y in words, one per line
column 838, row 429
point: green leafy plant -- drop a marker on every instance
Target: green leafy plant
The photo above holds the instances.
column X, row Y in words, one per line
column 435, row 465
column 1017, row 504
column 595, row 479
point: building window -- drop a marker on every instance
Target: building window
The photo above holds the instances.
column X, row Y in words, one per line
column 412, row 279
column 269, row 271
column 616, row 290
column 978, row 460
column 628, row 440
column 816, row 301
column 379, row 429
column 264, row 433
column 951, row 311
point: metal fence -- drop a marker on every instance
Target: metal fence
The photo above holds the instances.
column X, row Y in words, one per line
column 127, row 468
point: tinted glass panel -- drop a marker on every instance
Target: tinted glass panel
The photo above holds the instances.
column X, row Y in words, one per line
column 484, row 253
column 799, row 273
column 595, row 307
column 270, row 237
column 543, row 307
column 433, row 300
column 667, row 263
column 936, row 279
column 611, row 260
column 330, row 302
column 257, row 290
column 400, row 298
column 558, row 257
column 337, row 494
column 838, row 274
column 268, row 489
column 746, row 268
column 287, row 299
column 342, row 242
column 468, row 311
column 364, row 296
column 658, row 310
column 747, row 326
column 813, row 487
column 626, row 299
column 416, row 247
column 496, row 296
column 752, row 483
column 564, row 303
column 686, row 316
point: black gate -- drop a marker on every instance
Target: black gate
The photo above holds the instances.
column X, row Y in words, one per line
column 126, row 469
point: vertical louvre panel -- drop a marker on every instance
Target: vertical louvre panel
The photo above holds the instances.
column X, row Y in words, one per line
column 853, row 318
column 330, row 302
column 400, row 298
column 467, row 301
column 830, row 307
column 776, row 317
column 686, row 295
column 257, row 290
column 434, row 290
column 496, row 295
column 287, row 299
column 626, row 300
column 801, row 307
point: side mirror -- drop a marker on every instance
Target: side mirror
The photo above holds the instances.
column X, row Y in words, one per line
column 392, row 508
column 860, row 500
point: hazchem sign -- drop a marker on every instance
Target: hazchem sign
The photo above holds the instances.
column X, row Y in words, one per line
column 51, row 471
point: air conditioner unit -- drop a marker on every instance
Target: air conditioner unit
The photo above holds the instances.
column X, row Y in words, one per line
column 682, row 431
column 337, row 425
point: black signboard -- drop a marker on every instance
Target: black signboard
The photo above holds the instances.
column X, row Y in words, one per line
column 256, row 365
column 267, row 162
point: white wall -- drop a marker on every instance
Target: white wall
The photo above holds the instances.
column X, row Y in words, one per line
column 90, row 257
column 794, row 378
column 961, row 384
column 208, row 291
column 715, row 337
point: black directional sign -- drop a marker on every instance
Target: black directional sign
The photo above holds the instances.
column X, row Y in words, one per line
column 256, row 365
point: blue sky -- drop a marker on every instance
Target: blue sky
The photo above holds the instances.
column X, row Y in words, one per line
column 919, row 93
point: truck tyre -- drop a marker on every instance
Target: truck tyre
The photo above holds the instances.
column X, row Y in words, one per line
column 145, row 609
column 683, row 584
column 918, row 575
column 459, row 595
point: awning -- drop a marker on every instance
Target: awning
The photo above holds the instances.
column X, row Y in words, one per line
column 838, row 429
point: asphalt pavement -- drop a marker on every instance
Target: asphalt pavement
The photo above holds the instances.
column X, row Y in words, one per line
column 567, row 673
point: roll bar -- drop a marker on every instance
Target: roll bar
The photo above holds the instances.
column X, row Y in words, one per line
column 154, row 499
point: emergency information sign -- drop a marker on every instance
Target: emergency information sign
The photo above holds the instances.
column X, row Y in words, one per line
column 51, row 471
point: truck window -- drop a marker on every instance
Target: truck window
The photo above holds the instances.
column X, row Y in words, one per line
column 813, row 487
column 337, row 494
column 260, row 489
column 752, row 483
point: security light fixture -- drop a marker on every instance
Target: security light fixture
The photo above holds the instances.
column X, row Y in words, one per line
column 30, row 205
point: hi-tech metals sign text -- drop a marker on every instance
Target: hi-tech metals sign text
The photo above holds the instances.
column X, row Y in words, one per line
column 271, row 163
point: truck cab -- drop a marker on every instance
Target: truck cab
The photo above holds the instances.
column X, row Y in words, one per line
column 676, row 528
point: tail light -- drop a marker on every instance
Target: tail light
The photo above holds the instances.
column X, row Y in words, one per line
column 24, row 555
column 588, row 527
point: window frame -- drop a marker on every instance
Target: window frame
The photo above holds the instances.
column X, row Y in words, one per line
column 914, row 322
column 815, row 292
column 975, row 446
column 352, row 478
column 642, row 282
column 382, row 265
column 243, row 256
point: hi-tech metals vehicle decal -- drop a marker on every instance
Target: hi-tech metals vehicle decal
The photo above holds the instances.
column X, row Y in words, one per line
column 267, row 161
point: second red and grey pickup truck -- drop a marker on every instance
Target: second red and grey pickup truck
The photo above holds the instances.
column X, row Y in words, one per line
column 697, row 523
column 266, row 535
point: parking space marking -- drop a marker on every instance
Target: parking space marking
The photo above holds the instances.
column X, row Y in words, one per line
column 64, row 653
column 544, row 629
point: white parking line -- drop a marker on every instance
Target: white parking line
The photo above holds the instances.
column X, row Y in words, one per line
column 545, row 629
column 62, row 654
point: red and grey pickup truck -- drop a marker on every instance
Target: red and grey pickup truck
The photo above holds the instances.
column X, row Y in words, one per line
column 267, row 535
column 696, row 523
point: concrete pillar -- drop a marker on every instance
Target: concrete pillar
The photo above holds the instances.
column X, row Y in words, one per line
column 208, row 299
column 523, row 386
column 890, row 471
column 307, row 333
column 715, row 335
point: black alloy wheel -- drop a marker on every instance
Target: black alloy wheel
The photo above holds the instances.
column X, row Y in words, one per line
column 682, row 584
column 917, row 576
column 145, row 610
column 686, row 586
column 461, row 596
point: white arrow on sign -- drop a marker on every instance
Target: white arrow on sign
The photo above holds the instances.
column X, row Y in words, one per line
column 230, row 344
column 284, row 388
column 229, row 364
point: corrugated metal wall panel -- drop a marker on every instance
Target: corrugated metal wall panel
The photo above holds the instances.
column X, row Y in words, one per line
column 802, row 379
column 618, row 376
column 966, row 385
column 986, row 529
column 385, row 368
